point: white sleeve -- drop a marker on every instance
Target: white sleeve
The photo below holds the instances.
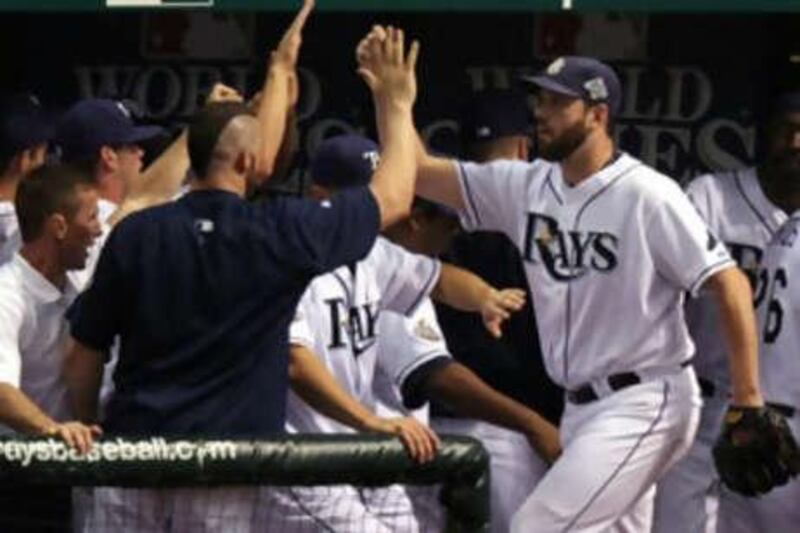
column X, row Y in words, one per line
column 300, row 328
column 406, row 343
column 10, row 325
column 404, row 279
column 490, row 191
column 697, row 191
column 685, row 250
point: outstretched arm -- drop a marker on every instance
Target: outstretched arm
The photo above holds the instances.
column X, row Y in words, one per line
column 461, row 389
column 280, row 91
column 390, row 74
column 464, row 290
column 437, row 177
column 313, row 382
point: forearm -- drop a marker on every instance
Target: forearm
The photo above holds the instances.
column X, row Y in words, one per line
column 83, row 374
column 461, row 289
column 272, row 113
column 312, row 381
column 437, row 178
column 393, row 180
column 160, row 182
column 735, row 300
column 20, row 413
column 468, row 395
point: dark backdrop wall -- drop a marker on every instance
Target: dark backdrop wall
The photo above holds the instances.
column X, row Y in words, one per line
column 695, row 85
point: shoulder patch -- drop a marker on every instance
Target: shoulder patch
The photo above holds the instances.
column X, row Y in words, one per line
column 424, row 330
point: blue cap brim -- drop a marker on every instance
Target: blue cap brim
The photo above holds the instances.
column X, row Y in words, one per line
column 143, row 133
column 550, row 84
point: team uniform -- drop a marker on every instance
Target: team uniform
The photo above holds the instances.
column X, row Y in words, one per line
column 737, row 211
column 779, row 337
column 10, row 240
column 339, row 319
column 608, row 262
column 33, row 337
column 226, row 277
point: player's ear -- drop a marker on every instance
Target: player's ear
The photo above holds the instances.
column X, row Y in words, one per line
column 108, row 158
column 57, row 226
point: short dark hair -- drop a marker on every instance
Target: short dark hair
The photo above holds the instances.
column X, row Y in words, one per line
column 204, row 131
column 48, row 190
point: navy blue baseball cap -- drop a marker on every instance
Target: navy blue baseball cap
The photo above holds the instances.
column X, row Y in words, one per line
column 95, row 122
column 345, row 161
column 493, row 114
column 581, row 77
column 23, row 123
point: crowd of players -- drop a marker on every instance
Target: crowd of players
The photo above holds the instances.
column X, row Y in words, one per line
column 160, row 301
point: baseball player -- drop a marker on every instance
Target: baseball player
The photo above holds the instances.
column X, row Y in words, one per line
column 226, row 277
column 742, row 208
column 497, row 125
column 24, row 135
column 57, row 211
column 777, row 302
column 338, row 320
column 610, row 247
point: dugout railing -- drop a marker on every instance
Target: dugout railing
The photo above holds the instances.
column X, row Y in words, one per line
column 461, row 466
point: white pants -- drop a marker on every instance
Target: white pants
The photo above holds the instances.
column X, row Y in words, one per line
column 614, row 450
column 340, row 509
column 228, row 509
column 687, row 497
column 515, row 467
column 778, row 511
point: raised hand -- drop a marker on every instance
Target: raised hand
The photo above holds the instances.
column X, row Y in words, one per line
column 499, row 306
column 288, row 49
column 386, row 68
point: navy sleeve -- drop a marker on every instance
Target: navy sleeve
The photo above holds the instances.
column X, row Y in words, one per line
column 95, row 315
column 331, row 233
column 414, row 389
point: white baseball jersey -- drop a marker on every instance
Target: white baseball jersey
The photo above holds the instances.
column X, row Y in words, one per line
column 33, row 334
column 9, row 231
column 779, row 317
column 779, row 334
column 405, row 344
column 737, row 211
column 607, row 261
column 338, row 319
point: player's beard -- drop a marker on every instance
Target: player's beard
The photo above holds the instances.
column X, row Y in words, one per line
column 565, row 144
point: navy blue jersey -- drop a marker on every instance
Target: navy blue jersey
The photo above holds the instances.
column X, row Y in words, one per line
column 201, row 292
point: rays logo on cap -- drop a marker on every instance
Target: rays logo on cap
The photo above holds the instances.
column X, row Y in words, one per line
column 556, row 66
column 125, row 111
column 374, row 158
column 596, row 88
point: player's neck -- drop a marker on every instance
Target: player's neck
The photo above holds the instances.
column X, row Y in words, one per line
column 588, row 159
column 221, row 181
column 773, row 187
column 43, row 258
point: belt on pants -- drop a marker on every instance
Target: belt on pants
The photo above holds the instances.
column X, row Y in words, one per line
column 707, row 387
column 586, row 393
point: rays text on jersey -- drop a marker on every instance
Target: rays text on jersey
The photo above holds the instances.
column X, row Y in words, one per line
column 568, row 254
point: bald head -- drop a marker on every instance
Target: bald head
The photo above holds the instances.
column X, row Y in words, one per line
column 221, row 137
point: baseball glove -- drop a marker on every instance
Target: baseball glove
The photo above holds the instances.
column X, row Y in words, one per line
column 756, row 450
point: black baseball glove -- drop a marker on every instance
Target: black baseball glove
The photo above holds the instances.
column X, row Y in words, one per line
column 756, row 451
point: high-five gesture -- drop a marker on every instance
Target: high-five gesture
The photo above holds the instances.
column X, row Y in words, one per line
column 287, row 51
column 385, row 67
